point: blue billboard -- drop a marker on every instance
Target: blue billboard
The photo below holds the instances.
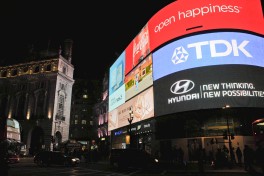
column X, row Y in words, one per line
column 209, row 49
column 117, row 74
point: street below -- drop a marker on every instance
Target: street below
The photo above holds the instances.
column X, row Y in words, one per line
column 26, row 167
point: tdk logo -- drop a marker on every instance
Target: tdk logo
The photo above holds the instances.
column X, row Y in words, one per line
column 182, row 86
column 179, row 55
column 218, row 48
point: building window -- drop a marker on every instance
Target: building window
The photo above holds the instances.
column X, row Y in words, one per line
column 75, row 122
column 76, row 115
column 4, row 74
column 36, row 69
column 84, row 122
column 14, row 72
column 91, row 123
column 48, row 67
column 61, row 105
column 25, row 69
column 85, row 96
column 64, row 70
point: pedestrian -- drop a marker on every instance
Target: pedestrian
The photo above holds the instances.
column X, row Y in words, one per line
column 180, row 156
column 201, row 160
column 239, row 156
column 248, row 158
column 232, row 158
column 94, row 152
column 260, row 156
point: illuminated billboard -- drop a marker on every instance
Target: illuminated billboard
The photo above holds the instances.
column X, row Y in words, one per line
column 209, row 49
column 139, row 78
column 117, row 98
column 197, row 54
column 188, row 16
column 209, row 87
column 142, row 106
column 138, row 49
column 117, row 74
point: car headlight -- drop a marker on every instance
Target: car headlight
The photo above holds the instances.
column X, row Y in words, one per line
column 156, row 160
column 73, row 159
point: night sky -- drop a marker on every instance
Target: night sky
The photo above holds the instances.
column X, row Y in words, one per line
column 100, row 30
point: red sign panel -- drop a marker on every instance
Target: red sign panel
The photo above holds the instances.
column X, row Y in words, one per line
column 137, row 50
column 188, row 16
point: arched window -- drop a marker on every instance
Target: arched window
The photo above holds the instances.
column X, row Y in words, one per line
column 36, row 69
column 14, row 72
column 4, row 74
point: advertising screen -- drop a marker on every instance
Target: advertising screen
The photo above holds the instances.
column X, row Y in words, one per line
column 117, row 98
column 117, row 74
column 139, row 79
column 210, row 87
column 209, row 49
column 137, row 50
column 188, row 16
column 142, row 107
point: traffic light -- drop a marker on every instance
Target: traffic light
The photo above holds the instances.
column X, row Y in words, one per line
column 225, row 135
column 52, row 139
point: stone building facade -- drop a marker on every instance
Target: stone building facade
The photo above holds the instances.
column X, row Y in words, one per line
column 38, row 95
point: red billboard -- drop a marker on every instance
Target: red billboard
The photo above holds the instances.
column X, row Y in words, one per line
column 137, row 50
column 188, row 16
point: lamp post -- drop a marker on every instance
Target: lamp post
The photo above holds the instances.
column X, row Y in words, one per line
column 54, row 135
column 130, row 119
column 229, row 135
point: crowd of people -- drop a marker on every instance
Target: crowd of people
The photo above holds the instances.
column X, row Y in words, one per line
column 247, row 158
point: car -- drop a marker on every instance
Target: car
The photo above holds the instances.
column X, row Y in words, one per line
column 124, row 158
column 48, row 158
column 12, row 158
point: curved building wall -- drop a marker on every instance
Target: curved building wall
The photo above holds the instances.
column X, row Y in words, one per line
column 203, row 58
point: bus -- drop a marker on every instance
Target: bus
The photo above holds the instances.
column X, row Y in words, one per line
column 258, row 131
column 13, row 136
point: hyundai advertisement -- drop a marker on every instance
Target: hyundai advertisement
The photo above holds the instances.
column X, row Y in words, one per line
column 209, row 87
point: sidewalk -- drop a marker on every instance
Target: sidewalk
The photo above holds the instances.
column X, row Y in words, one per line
column 190, row 167
column 193, row 167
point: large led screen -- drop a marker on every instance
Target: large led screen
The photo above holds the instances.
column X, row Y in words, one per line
column 137, row 50
column 139, row 79
column 117, row 74
column 142, row 106
column 210, row 87
column 209, row 49
column 188, row 16
column 117, row 98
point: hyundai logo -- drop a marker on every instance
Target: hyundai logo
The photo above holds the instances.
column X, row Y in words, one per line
column 182, row 86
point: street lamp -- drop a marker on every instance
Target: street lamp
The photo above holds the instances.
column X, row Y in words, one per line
column 229, row 135
column 130, row 119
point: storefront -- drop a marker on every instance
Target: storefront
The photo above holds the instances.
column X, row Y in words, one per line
column 141, row 136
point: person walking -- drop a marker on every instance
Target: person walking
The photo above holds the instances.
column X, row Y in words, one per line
column 94, row 152
column 201, row 160
column 239, row 156
column 248, row 158
column 260, row 156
